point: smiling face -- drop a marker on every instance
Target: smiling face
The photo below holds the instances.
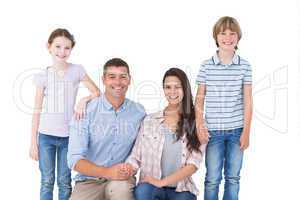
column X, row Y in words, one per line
column 60, row 49
column 173, row 90
column 227, row 40
column 116, row 81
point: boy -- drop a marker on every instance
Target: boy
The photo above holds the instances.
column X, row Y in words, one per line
column 225, row 83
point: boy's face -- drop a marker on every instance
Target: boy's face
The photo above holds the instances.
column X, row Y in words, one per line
column 227, row 40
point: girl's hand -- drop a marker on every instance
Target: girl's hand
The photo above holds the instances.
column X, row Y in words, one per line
column 80, row 109
column 34, row 151
column 156, row 182
column 244, row 140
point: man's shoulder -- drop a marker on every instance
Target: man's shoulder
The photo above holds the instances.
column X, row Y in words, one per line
column 136, row 107
column 92, row 105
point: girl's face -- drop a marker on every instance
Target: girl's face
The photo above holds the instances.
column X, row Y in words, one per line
column 227, row 40
column 60, row 49
column 173, row 90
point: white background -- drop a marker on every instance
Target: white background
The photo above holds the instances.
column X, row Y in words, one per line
column 153, row 36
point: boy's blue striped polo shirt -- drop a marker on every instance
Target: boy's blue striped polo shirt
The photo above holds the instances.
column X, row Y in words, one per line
column 224, row 103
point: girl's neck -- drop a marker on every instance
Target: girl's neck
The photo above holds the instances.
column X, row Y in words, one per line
column 225, row 56
column 60, row 66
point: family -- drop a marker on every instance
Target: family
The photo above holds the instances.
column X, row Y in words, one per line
column 110, row 141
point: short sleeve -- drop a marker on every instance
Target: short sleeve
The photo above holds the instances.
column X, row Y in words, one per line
column 40, row 79
column 81, row 72
column 201, row 77
column 248, row 75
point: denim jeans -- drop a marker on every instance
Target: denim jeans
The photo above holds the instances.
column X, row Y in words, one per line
column 146, row 191
column 50, row 148
column 223, row 150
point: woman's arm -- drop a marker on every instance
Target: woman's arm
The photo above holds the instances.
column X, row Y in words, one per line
column 38, row 103
column 95, row 92
column 182, row 173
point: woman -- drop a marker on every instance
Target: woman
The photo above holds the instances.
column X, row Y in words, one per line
column 167, row 150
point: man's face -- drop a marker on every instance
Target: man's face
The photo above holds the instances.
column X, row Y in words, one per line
column 116, row 81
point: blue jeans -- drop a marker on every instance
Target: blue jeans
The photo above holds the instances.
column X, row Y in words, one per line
column 50, row 148
column 146, row 191
column 223, row 150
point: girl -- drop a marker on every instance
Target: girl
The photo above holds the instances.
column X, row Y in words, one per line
column 56, row 90
column 167, row 150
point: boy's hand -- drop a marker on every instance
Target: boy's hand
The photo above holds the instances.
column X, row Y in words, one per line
column 244, row 140
column 202, row 134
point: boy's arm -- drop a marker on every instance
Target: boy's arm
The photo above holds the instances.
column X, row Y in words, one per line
column 202, row 132
column 248, row 107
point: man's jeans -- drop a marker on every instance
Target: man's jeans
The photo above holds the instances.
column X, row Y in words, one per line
column 50, row 148
column 223, row 149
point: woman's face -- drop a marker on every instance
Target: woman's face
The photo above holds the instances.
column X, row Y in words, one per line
column 173, row 90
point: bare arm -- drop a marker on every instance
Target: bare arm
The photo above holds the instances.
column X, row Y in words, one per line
column 248, row 109
column 202, row 132
column 177, row 176
column 38, row 103
column 95, row 92
column 115, row 172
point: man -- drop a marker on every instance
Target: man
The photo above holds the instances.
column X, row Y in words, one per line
column 101, row 141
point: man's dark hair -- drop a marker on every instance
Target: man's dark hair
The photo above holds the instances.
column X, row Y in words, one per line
column 115, row 62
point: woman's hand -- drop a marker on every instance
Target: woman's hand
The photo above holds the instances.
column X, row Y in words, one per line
column 156, row 182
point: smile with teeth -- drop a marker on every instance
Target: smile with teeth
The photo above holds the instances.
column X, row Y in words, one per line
column 227, row 43
column 173, row 98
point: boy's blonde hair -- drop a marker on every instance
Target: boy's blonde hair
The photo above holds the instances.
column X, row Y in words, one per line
column 227, row 23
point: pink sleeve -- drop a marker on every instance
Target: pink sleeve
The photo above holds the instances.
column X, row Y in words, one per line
column 196, row 158
column 135, row 156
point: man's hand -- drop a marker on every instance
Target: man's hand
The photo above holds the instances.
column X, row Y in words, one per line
column 120, row 171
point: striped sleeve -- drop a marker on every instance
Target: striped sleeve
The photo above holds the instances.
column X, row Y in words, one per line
column 201, row 77
column 248, row 75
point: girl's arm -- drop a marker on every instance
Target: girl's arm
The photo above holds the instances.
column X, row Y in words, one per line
column 244, row 140
column 202, row 132
column 38, row 103
column 182, row 173
column 95, row 92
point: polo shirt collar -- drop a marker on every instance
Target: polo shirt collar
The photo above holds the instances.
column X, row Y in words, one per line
column 235, row 60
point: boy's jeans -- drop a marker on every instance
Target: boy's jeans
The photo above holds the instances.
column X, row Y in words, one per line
column 49, row 147
column 223, row 149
